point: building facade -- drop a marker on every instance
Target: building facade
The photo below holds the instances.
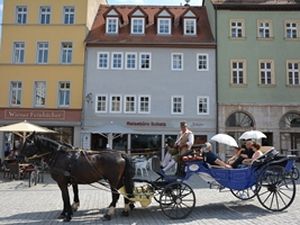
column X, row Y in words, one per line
column 258, row 61
column 147, row 69
column 42, row 64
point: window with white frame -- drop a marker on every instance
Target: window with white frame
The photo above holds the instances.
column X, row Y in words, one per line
column 237, row 29
column 291, row 30
column 117, row 60
column 137, row 25
column 238, row 72
column 101, row 103
column 64, row 93
column 69, row 15
column 129, row 104
column 21, row 14
column 264, row 29
column 103, row 60
column 115, row 104
column 112, row 25
column 66, row 52
column 144, row 104
column 39, row 93
column 19, row 52
column 177, row 105
column 202, row 62
column 15, row 93
column 190, row 27
column 164, row 26
column 177, row 61
column 293, row 73
column 202, row 105
column 131, row 61
column 266, row 72
column 45, row 14
column 145, row 61
column 42, row 52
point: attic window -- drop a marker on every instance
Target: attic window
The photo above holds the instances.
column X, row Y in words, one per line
column 190, row 26
column 112, row 25
column 137, row 25
column 164, row 26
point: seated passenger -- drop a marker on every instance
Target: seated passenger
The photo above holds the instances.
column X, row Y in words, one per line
column 211, row 157
column 232, row 159
column 245, row 153
column 257, row 153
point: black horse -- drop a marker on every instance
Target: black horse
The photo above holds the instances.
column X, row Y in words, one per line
column 74, row 166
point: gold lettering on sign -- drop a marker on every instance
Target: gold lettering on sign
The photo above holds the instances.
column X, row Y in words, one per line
column 34, row 114
column 146, row 124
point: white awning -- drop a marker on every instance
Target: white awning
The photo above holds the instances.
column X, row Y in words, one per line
column 111, row 129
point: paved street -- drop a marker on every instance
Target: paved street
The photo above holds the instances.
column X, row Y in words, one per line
column 41, row 204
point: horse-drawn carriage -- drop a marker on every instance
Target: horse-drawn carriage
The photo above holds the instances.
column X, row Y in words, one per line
column 271, row 178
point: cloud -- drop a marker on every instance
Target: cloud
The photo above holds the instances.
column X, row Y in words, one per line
column 126, row 2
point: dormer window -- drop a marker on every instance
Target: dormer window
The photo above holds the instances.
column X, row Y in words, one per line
column 189, row 26
column 112, row 25
column 164, row 26
column 137, row 25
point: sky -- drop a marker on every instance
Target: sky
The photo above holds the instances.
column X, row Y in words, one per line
column 132, row 2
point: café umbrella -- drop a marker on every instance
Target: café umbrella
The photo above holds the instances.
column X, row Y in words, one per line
column 252, row 134
column 225, row 139
column 24, row 129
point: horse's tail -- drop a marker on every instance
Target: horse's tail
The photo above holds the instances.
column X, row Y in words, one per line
column 128, row 175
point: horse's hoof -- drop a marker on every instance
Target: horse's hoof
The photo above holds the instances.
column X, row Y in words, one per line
column 125, row 213
column 67, row 219
column 131, row 206
column 61, row 216
column 106, row 217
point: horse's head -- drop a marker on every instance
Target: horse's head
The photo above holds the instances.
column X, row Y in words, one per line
column 170, row 142
column 30, row 146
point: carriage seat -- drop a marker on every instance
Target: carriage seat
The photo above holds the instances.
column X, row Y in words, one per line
column 266, row 157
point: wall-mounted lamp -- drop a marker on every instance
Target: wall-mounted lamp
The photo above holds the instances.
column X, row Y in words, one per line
column 89, row 97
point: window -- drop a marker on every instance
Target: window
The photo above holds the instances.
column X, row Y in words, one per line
column 190, row 27
column 15, row 93
column 66, row 52
column 45, row 13
column 39, row 93
column 131, row 61
column 202, row 62
column 64, row 93
column 103, row 60
column 202, row 105
column 177, row 61
column 164, row 26
column 101, row 104
column 264, row 30
column 293, row 72
column 291, row 31
column 137, row 26
column 237, row 29
column 238, row 72
column 19, row 52
column 115, row 104
column 144, row 104
column 112, row 25
column 21, row 14
column 145, row 61
column 117, row 60
column 129, row 104
column 266, row 71
column 69, row 15
column 177, row 105
column 42, row 52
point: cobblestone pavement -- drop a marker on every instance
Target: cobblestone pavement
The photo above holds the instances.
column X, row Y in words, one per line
column 41, row 204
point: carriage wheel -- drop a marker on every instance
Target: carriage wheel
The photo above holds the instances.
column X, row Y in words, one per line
column 32, row 178
column 245, row 194
column 158, row 190
column 276, row 189
column 177, row 200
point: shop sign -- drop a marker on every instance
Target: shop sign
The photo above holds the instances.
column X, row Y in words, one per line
column 34, row 114
column 146, row 124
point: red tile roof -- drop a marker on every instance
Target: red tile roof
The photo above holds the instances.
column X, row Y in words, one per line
column 204, row 37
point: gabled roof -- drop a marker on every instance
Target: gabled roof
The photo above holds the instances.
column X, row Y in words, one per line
column 257, row 4
column 113, row 12
column 135, row 13
column 204, row 37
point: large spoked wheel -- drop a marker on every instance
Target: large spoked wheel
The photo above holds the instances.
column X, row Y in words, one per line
column 245, row 194
column 177, row 200
column 276, row 189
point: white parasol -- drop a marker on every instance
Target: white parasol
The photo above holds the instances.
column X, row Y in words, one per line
column 225, row 139
column 252, row 134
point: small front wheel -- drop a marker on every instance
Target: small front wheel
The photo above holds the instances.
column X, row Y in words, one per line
column 177, row 200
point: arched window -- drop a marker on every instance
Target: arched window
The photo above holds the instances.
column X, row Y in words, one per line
column 239, row 119
column 290, row 120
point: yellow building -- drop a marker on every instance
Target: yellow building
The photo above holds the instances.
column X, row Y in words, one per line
column 42, row 63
